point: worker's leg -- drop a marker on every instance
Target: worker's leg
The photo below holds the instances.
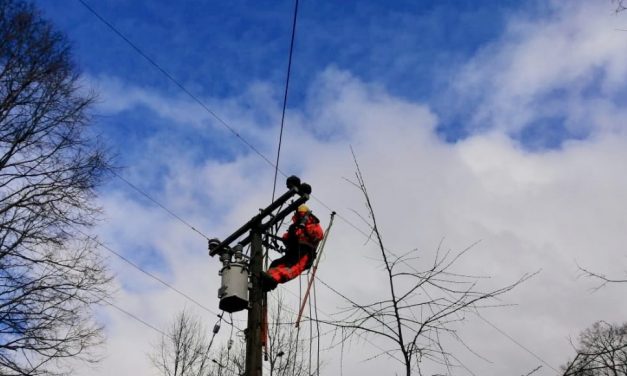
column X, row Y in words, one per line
column 285, row 271
column 288, row 267
column 271, row 278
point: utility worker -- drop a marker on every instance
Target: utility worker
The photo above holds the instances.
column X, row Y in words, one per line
column 301, row 241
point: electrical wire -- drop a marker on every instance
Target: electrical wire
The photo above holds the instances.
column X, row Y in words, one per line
column 175, row 81
column 143, row 193
column 276, row 165
column 229, row 344
column 191, row 95
column 310, row 336
column 516, row 342
column 287, row 85
column 136, row 318
column 164, row 334
column 156, row 278
column 203, row 105
column 216, row 329
column 315, row 299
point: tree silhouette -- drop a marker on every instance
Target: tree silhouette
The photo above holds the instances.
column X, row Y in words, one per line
column 602, row 351
column 50, row 274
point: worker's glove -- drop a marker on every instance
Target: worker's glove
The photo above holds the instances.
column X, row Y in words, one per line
column 301, row 222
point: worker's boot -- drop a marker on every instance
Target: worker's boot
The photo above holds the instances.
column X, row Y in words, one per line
column 267, row 282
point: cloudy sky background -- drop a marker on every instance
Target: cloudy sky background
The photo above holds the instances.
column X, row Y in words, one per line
column 494, row 121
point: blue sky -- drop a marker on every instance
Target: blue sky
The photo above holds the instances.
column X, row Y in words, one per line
column 225, row 46
column 218, row 49
column 499, row 121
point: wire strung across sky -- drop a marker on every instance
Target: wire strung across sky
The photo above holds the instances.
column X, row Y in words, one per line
column 177, row 83
column 243, row 140
column 264, row 305
column 151, row 275
column 157, row 203
column 136, row 318
column 164, row 334
column 287, row 86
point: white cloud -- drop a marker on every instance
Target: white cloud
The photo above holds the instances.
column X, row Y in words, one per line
column 530, row 210
column 578, row 47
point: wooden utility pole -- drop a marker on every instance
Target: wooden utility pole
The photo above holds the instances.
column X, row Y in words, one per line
column 253, row 332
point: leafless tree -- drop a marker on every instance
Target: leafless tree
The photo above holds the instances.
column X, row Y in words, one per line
column 602, row 351
column 184, row 350
column 422, row 305
column 230, row 361
column 50, row 274
column 286, row 351
column 620, row 5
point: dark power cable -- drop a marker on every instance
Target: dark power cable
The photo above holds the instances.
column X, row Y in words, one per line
column 186, row 296
column 158, row 203
column 176, row 82
column 287, row 85
column 136, row 318
column 164, row 334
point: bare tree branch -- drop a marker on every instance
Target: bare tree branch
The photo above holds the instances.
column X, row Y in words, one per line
column 601, row 278
column 50, row 275
column 421, row 304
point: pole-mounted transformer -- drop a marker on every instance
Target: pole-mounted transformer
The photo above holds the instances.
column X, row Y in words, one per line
column 233, row 291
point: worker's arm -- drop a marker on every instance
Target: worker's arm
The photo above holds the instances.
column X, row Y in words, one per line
column 314, row 230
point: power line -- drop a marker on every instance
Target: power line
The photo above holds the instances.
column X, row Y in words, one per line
column 216, row 328
column 362, row 187
column 156, row 278
column 287, row 85
column 136, row 318
column 516, row 342
column 175, row 81
column 158, row 203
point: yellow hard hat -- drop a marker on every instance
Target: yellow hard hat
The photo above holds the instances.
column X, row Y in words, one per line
column 303, row 209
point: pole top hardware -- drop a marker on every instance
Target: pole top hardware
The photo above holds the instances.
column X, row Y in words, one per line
column 295, row 187
column 293, row 182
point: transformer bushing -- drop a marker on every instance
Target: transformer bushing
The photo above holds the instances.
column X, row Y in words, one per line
column 233, row 293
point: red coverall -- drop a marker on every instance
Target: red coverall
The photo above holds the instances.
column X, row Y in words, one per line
column 301, row 241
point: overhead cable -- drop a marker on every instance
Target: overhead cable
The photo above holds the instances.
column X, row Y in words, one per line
column 175, row 81
column 143, row 193
column 287, row 85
